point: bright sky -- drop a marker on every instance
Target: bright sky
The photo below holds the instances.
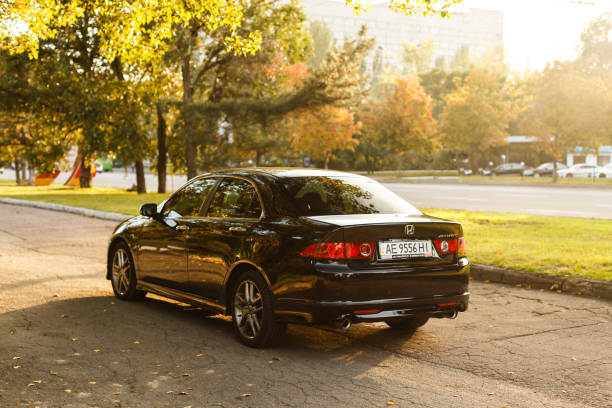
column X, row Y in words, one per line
column 539, row 31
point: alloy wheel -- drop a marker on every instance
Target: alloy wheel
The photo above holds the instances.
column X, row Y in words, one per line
column 121, row 272
column 248, row 309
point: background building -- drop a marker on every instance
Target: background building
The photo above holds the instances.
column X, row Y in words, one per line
column 600, row 157
column 479, row 30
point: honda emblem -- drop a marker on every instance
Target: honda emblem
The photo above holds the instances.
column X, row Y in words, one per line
column 409, row 229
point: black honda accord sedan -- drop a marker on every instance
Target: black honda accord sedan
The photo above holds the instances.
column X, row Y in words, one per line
column 276, row 246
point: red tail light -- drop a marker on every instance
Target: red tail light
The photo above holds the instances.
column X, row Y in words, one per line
column 340, row 250
column 449, row 246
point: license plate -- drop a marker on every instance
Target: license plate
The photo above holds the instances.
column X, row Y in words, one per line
column 404, row 249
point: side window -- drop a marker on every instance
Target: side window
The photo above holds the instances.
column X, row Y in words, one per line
column 187, row 201
column 235, row 198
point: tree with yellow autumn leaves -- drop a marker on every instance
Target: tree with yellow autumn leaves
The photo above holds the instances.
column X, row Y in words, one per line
column 399, row 121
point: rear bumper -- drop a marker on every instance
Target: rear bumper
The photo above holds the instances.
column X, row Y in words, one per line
column 436, row 295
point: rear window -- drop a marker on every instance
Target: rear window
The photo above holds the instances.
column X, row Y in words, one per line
column 343, row 195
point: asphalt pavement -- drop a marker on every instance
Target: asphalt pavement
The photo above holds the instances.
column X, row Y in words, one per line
column 587, row 202
column 65, row 341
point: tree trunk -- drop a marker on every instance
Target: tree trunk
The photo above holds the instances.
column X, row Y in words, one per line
column 17, row 174
column 190, row 144
column 555, row 176
column 30, row 174
column 326, row 160
column 85, row 176
column 258, row 156
column 162, row 158
column 140, row 177
column 23, row 172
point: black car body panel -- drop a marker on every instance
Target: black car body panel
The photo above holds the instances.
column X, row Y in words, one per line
column 196, row 258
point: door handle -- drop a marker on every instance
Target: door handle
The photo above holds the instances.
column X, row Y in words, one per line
column 182, row 228
column 237, row 229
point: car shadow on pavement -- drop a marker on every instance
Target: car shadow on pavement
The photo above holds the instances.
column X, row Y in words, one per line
column 158, row 353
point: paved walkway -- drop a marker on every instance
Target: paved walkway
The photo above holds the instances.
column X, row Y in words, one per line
column 65, row 341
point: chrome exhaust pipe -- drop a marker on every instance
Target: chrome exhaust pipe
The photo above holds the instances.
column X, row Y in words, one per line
column 453, row 315
column 343, row 322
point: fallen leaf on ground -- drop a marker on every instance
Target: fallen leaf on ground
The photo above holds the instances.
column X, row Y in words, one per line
column 92, row 382
column 96, row 350
column 136, row 342
column 16, row 358
column 183, row 393
column 186, row 375
column 68, row 391
column 75, row 339
column 36, row 381
column 52, row 372
column 390, row 403
column 64, row 316
column 199, row 355
column 16, row 367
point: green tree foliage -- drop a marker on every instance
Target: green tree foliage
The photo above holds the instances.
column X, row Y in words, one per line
column 262, row 126
column 36, row 141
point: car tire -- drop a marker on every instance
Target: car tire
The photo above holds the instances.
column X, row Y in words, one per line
column 253, row 312
column 407, row 323
column 123, row 274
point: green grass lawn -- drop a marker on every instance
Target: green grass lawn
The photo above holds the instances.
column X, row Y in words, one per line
column 553, row 245
column 96, row 198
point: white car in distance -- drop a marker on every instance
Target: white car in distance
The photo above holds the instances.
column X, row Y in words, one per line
column 585, row 171
column 606, row 171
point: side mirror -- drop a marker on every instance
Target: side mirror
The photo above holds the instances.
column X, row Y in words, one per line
column 148, row 210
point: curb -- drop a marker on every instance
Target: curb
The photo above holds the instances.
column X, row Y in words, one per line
column 576, row 286
column 103, row 215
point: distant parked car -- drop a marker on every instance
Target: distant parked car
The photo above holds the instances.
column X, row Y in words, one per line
column 582, row 170
column 509, row 169
column 546, row 169
column 606, row 171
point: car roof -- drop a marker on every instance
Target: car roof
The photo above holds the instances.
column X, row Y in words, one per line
column 283, row 172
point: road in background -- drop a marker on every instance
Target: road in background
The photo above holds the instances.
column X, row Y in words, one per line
column 66, row 341
column 527, row 199
column 539, row 200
